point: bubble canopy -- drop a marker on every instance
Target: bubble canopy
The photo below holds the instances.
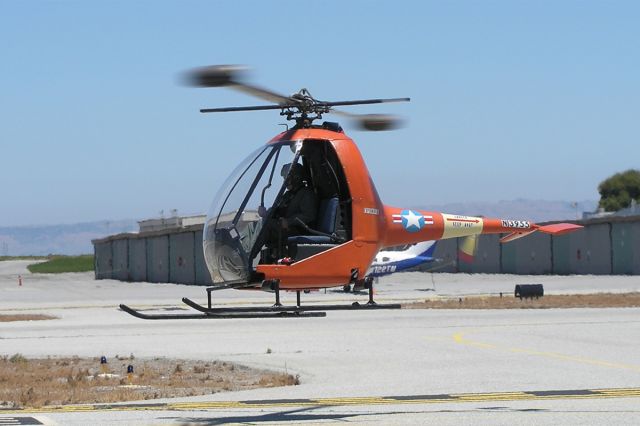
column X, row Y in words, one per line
column 231, row 236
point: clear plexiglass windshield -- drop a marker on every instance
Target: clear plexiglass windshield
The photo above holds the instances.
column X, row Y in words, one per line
column 234, row 220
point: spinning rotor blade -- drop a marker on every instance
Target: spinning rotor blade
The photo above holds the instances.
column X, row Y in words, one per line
column 231, row 76
column 373, row 122
column 265, row 94
column 303, row 103
column 247, row 108
column 214, row 76
column 365, row 102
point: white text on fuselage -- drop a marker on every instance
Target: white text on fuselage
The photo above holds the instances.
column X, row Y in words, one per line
column 383, row 269
column 515, row 224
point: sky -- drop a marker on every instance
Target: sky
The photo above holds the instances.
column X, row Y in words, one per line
column 509, row 99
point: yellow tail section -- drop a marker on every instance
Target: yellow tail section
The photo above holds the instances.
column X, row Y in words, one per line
column 468, row 249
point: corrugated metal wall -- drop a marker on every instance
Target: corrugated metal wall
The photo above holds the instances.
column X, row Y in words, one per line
column 587, row 251
column 527, row 255
column 600, row 248
column 487, row 258
column 635, row 259
column 103, row 260
column 636, row 249
column 622, row 236
column 138, row 259
column 202, row 273
column 158, row 259
column 447, row 252
column 120, row 251
column 182, row 258
column 175, row 257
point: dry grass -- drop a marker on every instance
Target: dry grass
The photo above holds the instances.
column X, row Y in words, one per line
column 58, row 381
column 25, row 317
column 604, row 300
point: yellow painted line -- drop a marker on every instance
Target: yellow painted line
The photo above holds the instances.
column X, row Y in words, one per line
column 352, row 401
column 461, row 339
column 330, row 402
column 635, row 392
column 208, row 405
column 493, row 397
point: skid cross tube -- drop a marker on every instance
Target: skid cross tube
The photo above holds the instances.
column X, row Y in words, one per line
column 306, row 308
column 230, row 314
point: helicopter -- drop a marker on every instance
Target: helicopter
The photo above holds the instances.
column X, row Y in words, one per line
column 352, row 223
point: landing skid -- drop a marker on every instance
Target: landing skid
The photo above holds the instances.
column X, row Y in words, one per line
column 275, row 311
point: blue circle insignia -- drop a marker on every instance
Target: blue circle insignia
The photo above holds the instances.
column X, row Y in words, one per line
column 412, row 221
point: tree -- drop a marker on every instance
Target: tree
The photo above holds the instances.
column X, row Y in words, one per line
column 617, row 191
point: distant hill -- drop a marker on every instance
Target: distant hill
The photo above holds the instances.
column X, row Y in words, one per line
column 76, row 238
column 533, row 210
column 69, row 239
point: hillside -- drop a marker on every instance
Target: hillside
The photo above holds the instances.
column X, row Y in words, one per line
column 73, row 239
column 70, row 239
column 533, row 210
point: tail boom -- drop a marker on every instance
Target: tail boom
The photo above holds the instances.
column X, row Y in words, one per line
column 406, row 226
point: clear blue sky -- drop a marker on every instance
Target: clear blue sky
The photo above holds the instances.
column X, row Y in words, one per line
column 510, row 99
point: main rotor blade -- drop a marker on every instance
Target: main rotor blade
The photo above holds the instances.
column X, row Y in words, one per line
column 373, row 122
column 232, row 76
column 261, row 93
column 214, row 75
column 365, row 101
column 293, row 103
column 247, row 108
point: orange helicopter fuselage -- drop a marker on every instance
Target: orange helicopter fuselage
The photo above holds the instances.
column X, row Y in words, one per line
column 375, row 225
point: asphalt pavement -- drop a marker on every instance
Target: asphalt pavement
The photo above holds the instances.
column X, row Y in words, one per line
column 547, row 366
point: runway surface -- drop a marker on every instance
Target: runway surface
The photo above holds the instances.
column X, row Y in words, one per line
column 567, row 366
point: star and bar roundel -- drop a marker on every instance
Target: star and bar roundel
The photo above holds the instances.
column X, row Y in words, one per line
column 411, row 220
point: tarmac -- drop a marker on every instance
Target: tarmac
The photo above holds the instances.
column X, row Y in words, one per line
column 524, row 366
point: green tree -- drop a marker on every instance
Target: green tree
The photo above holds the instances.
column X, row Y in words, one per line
column 617, row 191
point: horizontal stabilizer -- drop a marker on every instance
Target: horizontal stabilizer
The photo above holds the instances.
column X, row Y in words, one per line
column 555, row 229
column 559, row 228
